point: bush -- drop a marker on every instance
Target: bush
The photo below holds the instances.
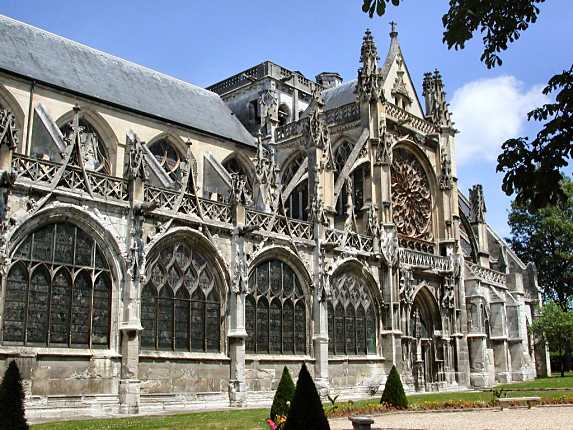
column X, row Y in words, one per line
column 283, row 396
column 12, row 415
column 393, row 394
column 306, row 411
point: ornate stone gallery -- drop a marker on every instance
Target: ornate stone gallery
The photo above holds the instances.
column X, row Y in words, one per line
column 165, row 246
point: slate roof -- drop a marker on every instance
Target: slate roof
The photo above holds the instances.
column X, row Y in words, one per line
column 54, row 60
column 340, row 95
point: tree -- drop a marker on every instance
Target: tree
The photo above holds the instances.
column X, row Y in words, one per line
column 533, row 169
column 12, row 415
column 283, row 395
column 554, row 326
column 394, row 391
column 545, row 237
column 306, row 412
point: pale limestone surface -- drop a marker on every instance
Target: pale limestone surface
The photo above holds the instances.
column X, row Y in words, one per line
column 542, row 418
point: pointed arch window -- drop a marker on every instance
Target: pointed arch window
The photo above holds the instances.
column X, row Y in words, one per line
column 351, row 317
column 58, row 291
column 180, row 303
column 297, row 201
column 358, row 177
column 275, row 311
column 168, row 158
column 94, row 152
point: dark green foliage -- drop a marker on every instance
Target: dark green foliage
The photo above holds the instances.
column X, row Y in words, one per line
column 306, row 412
column 554, row 326
column 394, row 391
column 532, row 170
column 545, row 237
column 284, row 394
column 12, row 414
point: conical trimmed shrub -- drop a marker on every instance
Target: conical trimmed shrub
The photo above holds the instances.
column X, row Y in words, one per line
column 394, row 391
column 306, row 412
column 283, row 395
column 12, row 415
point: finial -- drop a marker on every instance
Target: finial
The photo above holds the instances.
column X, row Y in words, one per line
column 393, row 30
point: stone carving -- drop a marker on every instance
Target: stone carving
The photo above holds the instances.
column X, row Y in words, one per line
column 239, row 193
column 317, row 212
column 370, row 81
column 269, row 105
column 318, row 134
column 8, row 130
column 389, row 246
column 136, row 162
column 385, row 145
column 240, row 281
column 323, row 288
column 477, row 204
column 445, row 178
column 406, row 283
column 411, row 197
column 373, row 226
column 447, row 300
column 436, row 106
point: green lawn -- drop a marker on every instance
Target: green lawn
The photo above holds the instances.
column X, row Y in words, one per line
column 251, row 419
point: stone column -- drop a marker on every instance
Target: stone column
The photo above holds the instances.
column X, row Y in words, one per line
column 129, row 384
column 237, row 333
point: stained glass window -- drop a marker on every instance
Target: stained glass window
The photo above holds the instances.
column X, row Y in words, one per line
column 180, row 304
column 351, row 317
column 275, row 311
column 55, row 296
column 92, row 146
column 297, row 201
column 168, row 157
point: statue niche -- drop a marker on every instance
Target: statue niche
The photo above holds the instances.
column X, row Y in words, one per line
column 411, row 196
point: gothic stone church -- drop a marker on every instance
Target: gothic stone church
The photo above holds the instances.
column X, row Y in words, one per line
column 165, row 246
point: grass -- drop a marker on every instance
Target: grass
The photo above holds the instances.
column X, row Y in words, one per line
column 253, row 419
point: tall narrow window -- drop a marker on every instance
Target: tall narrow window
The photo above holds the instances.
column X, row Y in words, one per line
column 297, row 201
column 180, row 303
column 351, row 317
column 55, row 294
column 275, row 311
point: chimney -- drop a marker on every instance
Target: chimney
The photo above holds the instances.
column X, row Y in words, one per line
column 329, row 79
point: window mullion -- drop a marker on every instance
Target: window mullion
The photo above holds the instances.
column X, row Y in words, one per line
column 71, row 285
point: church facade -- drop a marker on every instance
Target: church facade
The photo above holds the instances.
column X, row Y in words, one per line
column 165, row 246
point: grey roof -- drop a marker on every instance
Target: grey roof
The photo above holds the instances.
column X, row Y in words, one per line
column 54, row 60
column 340, row 95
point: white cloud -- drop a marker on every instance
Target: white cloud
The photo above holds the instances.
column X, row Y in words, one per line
column 488, row 112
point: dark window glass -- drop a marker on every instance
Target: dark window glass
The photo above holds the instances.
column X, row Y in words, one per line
column 195, row 322
column 148, row 314
column 81, row 304
column 168, row 157
column 262, row 325
column 353, row 328
column 330, row 329
column 288, row 327
column 182, row 315
column 101, row 310
column 360, row 331
column 15, row 303
column 251, row 322
column 165, row 318
column 300, row 327
column 371, row 331
column 213, row 323
column 349, row 333
column 65, row 236
column 198, row 321
column 275, row 329
column 339, row 324
column 38, row 305
column 280, row 327
column 58, row 304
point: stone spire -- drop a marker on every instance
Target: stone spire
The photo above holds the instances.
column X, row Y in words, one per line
column 369, row 84
column 435, row 96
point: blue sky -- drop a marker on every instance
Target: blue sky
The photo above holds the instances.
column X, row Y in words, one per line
column 203, row 41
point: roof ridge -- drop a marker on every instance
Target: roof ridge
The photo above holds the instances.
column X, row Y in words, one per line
column 106, row 54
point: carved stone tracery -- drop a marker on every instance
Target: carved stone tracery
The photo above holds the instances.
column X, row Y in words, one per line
column 411, row 197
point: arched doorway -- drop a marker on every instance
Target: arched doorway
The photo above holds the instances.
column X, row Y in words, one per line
column 425, row 356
